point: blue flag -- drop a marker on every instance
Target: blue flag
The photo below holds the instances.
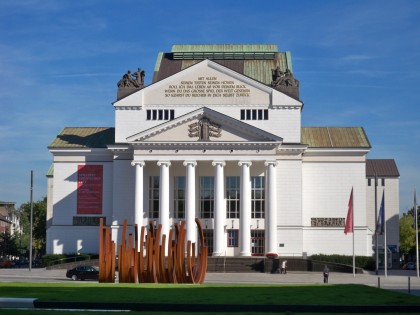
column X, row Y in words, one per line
column 380, row 225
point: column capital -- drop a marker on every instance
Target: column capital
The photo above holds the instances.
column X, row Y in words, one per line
column 193, row 163
column 140, row 163
column 165, row 163
column 221, row 163
column 244, row 163
column 273, row 163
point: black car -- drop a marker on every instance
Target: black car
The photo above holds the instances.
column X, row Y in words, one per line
column 83, row 272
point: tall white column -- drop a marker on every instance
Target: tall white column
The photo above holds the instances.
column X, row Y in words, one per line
column 138, row 198
column 190, row 200
column 219, row 209
column 245, row 214
column 271, row 208
column 164, row 196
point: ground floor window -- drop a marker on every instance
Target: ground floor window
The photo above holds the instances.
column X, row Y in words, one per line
column 153, row 197
column 206, row 197
column 179, row 197
column 233, row 197
column 257, row 197
column 208, row 240
column 232, row 238
column 257, row 242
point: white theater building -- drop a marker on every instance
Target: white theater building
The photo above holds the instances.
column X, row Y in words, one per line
column 216, row 136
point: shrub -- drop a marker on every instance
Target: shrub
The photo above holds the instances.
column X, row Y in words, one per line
column 365, row 262
column 54, row 259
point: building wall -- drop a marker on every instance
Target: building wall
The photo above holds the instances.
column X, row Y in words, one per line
column 326, row 193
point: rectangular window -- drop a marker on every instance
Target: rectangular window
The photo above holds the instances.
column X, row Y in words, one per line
column 257, row 197
column 257, row 242
column 254, row 114
column 208, row 240
column 383, row 182
column 242, row 114
column 179, row 197
column 233, row 189
column 232, row 238
column 153, row 197
column 160, row 114
column 369, row 182
column 207, row 197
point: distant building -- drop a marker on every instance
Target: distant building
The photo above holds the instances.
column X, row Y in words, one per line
column 218, row 136
column 385, row 174
column 9, row 221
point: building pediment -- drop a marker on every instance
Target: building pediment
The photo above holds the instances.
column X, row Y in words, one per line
column 204, row 126
column 207, row 84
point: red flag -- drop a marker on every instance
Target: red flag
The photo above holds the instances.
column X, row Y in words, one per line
column 349, row 220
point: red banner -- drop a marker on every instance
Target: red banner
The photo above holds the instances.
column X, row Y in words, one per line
column 89, row 189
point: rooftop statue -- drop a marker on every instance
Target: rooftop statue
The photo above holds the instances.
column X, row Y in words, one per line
column 283, row 78
column 132, row 80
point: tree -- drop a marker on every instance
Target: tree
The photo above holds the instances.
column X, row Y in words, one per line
column 39, row 225
column 8, row 246
column 407, row 234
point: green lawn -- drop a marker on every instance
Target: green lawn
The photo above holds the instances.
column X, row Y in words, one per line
column 208, row 293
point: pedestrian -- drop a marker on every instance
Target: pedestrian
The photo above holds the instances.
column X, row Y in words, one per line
column 284, row 267
column 326, row 273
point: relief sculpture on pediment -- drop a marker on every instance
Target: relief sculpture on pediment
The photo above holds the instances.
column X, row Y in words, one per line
column 204, row 129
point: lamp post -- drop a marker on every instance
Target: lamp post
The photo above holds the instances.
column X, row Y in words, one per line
column 32, row 211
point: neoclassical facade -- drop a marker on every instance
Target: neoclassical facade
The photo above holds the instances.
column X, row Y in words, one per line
column 216, row 136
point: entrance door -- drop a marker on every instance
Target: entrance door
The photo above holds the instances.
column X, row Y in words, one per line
column 257, row 242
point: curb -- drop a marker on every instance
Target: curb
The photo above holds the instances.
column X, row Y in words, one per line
column 17, row 302
column 196, row 308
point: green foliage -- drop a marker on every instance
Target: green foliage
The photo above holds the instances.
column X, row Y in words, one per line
column 39, row 225
column 407, row 234
column 365, row 262
column 54, row 259
column 8, row 245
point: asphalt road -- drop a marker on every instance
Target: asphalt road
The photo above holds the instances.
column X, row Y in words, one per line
column 398, row 280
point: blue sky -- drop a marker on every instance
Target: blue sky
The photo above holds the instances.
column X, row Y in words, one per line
column 357, row 62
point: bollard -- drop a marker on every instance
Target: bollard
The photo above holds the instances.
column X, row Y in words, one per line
column 409, row 287
column 379, row 283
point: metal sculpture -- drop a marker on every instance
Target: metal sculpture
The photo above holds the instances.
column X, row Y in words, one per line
column 106, row 254
column 144, row 260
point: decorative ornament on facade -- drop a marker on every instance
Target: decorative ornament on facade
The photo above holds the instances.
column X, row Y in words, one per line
column 285, row 82
column 130, row 83
column 132, row 80
column 283, row 78
column 204, row 129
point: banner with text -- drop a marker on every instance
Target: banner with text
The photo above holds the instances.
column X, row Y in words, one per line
column 89, row 189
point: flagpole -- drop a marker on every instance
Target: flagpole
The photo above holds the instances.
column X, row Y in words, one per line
column 376, row 232
column 385, row 246
column 417, row 232
column 352, row 222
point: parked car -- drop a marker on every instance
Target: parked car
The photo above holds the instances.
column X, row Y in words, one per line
column 83, row 273
column 410, row 266
column 5, row 263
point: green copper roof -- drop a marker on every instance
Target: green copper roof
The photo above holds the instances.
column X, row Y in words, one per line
column 225, row 48
column 335, row 137
column 84, row 137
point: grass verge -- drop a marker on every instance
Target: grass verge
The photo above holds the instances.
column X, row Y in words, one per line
column 208, row 293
